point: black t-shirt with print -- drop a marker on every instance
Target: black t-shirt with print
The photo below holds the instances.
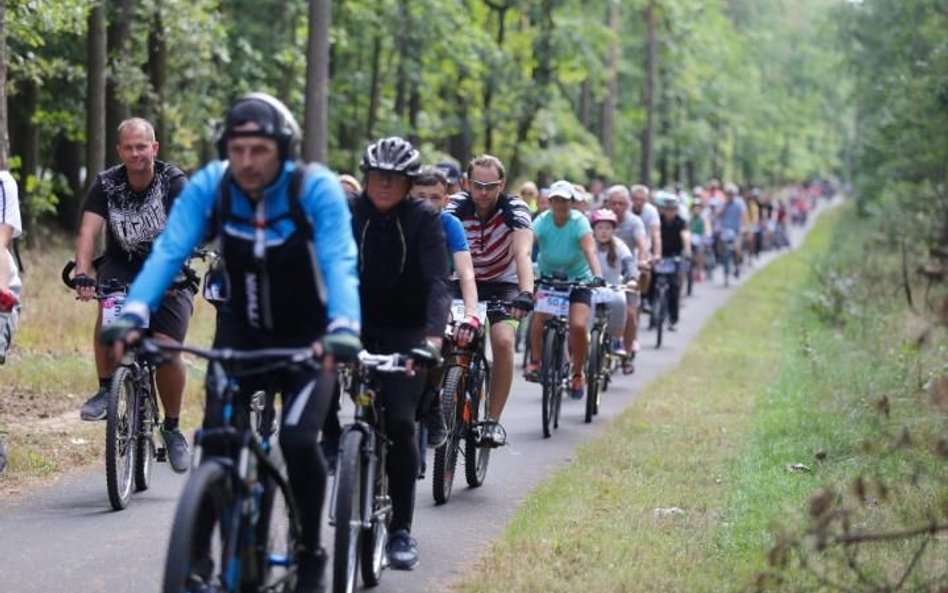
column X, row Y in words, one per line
column 672, row 244
column 133, row 219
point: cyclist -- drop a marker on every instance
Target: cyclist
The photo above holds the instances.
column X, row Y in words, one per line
column 499, row 232
column 631, row 231
column 430, row 184
column 618, row 267
column 453, row 174
column 350, row 185
column 131, row 202
column 290, row 269
column 405, row 304
column 730, row 218
column 653, row 235
column 698, row 227
column 676, row 242
column 11, row 227
column 530, row 195
column 567, row 248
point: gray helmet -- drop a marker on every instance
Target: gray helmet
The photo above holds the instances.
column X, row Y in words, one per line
column 392, row 154
column 273, row 117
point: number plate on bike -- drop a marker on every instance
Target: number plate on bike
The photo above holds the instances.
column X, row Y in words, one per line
column 554, row 302
column 112, row 307
column 457, row 310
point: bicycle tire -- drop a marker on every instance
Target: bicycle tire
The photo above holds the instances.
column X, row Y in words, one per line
column 476, row 457
column 564, row 367
column 659, row 308
column 726, row 264
column 691, row 278
column 446, row 456
column 204, row 509
column 145, row 450
column 278, row 535
column 549, row 375
column 375, row 495
column 348, row 513
column 593, row 373
column 120, row 441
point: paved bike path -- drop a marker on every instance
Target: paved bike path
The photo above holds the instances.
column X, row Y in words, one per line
column 68, row 540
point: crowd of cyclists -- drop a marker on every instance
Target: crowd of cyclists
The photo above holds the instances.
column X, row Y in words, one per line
column 311, row 258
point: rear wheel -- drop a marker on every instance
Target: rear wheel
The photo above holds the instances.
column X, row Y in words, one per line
column 375, row 537
column 120, row 438
column 277, row 535
column 550, row 377
column 347, row 513
column 659, row 309
column 195, row 560
column 476, row 457
column 446, row 456
column 726, row 265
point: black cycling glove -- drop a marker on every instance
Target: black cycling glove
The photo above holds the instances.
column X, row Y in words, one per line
column 118, row 330
column 523, row 301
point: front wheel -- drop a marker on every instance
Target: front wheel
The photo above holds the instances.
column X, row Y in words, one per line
column 550, row 376
column 476, row 457
column 145, row 451
column 198, row 534
column 446, row 456
column 659, row 310
column 278, row 534
column 594, row 364
column 120, row 438
column 348, row 513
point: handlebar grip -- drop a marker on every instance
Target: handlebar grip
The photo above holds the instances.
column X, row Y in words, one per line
column 68, row 280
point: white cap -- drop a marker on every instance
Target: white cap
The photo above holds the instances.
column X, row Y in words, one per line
column 561, row 189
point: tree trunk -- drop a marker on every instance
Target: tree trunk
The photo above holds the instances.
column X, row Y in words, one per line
column 402, row 43
column 158, row 74
column 95, row 94
column 664, row 127
column 490, row 84
column 317, row 82
column 584, row 110
column 542, row 75
column 374, row 84
column 116, row 110
column 611, row 103
column 67, row 161
column 648, row 134
column 4, row 133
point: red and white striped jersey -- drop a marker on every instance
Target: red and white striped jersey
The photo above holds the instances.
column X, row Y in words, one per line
column 491, row 240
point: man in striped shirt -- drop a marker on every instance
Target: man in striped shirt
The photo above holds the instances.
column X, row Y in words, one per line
column 500, row 236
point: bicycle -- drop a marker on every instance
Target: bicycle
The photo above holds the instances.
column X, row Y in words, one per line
column 552, row 297
column 465, row 399
column 662, row 273
column 729, row 256
column 598, row 360
column 132, row 411
column 236, row 527
column 360, row 507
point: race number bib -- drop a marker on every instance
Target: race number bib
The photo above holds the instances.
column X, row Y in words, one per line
column 457, row 310
column 112, row 307
column 554, row 302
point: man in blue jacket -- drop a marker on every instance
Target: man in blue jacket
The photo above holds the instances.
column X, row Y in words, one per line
column 288, row 280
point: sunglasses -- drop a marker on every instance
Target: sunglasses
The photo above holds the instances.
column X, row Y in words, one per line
column 485, row 185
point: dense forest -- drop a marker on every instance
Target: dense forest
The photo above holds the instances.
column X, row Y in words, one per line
column 633, row 91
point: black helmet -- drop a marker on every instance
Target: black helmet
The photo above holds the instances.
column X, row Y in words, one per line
column 274, row 119
column 392, row 154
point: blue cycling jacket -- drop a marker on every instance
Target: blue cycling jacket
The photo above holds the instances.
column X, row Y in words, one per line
column 281, row 281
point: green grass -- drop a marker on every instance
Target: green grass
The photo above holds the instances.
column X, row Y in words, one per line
column 712, row 439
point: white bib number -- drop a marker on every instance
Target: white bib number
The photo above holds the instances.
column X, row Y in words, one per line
column 112, row 307
column 554, row 302
column 457, row 310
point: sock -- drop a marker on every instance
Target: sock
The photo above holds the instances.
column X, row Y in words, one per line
column 105, row 382
column 170, row 423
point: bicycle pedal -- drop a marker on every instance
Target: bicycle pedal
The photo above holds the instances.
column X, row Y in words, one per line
column 161, row 454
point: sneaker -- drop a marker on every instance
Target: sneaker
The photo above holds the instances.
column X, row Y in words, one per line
column 402, row 551
column 618, row 349
column 310, row 571
column 672, row 327
column 493, row 434
column 531, row 372
column 437, row 429
column 577, row 387
column 330, row 451
column 179, row 457
column 96, row 406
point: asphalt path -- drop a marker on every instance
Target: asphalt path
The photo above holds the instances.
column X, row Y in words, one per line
column 66, row 539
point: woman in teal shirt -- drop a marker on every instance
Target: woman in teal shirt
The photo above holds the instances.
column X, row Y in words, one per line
column 567, row 248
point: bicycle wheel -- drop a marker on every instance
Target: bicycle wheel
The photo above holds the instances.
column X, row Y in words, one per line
column 550, row 376
column 145, row 450
column 660, row 310
column 477, row 403
column 375, row 494
column 446, row 456
column 196, row 559
column 120, row 438
column 564, row 374
column 690, row 277
column 594, row 363
column 278, row 536
column 348, row 513
column 726, row 265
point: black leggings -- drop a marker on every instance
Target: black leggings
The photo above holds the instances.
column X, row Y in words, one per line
column 306, row 399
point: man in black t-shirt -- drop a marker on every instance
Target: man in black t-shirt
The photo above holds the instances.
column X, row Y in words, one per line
column 131, row 202
column 676, row 242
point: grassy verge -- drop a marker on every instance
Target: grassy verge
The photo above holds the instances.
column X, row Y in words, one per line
column 50, row 372
column 687, row 489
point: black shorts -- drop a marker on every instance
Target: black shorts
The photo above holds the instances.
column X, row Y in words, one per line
column 173, row 315
column 581, row 296
column 504, row 291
